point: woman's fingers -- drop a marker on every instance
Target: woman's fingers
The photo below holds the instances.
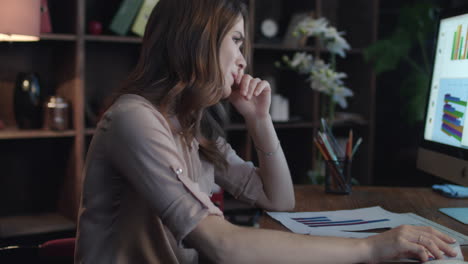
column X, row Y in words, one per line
column 434, row 241
column 240, row 74
column 430, row 245
column 244, row 84
column 444, row 237
column 262, row 86
column 431, row 238
column 416, row 251
column 250, row 86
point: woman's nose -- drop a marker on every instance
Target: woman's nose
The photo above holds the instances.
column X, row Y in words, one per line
column 241, row 63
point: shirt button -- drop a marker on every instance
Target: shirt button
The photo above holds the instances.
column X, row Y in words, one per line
column 178, row 171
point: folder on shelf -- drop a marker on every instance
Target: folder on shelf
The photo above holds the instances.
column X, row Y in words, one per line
column 143, row 15
column 123, row 19
column 46, row 26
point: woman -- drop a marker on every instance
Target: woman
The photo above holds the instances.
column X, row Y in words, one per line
column 158, row 151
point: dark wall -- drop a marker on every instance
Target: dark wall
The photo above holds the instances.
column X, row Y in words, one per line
column 396, row 139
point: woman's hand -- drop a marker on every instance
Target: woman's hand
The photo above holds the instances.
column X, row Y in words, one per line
column 408, row 241
column 251, row 96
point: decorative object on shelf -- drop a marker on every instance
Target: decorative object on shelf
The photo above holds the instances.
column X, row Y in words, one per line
column 279, row 109
column 125, row 16
column 294, row 40
column 56, row 113
column 323, row 77
column 95, row 27
column 269, row 28
column 142, row 18
column 27, row 101
column 20, row 20
column 46, row 25
column 408, row 45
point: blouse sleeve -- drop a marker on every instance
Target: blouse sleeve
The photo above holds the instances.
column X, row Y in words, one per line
column 241, row 178
column 143, row 151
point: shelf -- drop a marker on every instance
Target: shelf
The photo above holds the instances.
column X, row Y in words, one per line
column 277, row 125
column 89, row 131
column 114, row 39
column 351, row 51
column 61, row 37
column 286, row 125
column 24, row 225
column 14, row 133
column 280, row 47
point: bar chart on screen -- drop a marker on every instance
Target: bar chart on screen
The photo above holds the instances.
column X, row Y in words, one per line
column 450, row 115
column 459, row 47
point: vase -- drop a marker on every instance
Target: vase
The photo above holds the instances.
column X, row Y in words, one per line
column 28, row 101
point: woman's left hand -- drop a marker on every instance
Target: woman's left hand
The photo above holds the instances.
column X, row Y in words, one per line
column 251, row 96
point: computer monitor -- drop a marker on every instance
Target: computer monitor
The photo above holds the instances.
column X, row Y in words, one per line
column 443, row 152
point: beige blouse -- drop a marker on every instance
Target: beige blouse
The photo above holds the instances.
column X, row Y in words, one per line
column 143, row 191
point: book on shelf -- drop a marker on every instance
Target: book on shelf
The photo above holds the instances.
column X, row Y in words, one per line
column 124, row 17
column 143, row 15
column 46, row 26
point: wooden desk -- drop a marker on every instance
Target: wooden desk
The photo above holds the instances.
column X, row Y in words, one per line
column 421, row 201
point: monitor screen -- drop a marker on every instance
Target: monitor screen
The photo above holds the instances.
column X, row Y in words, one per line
column 444, row 150
column 445, row 119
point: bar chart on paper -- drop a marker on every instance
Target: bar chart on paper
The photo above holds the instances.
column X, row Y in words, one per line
column 322, row 221
column 459, row 44
column 356, row 223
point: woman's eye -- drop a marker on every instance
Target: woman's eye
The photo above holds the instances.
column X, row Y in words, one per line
column 237, row 40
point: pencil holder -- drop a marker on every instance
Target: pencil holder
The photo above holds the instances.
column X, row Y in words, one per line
column 338, row 176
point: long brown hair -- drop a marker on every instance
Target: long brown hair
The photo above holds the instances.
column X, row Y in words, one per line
column 178, row 69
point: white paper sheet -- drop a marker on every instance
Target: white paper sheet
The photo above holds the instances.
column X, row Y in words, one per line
column 339, row 223
column 342, row 223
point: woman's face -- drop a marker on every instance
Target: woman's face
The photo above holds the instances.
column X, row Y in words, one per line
column 231, row 59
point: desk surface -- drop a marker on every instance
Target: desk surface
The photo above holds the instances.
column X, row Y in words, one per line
column 421, row 201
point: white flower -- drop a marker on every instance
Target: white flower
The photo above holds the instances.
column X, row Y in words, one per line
column 302, row 62
column 330, row 37
column 335, row 43
column 313, row 27
column 325, row 80
column 340, row 94
column 322, row 76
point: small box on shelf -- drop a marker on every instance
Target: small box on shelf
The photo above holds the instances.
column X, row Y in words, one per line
column 142, row 18
column 125, row 16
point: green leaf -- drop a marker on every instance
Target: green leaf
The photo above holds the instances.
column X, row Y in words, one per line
column 414, row 93
column 407, row 45
column 386, row 54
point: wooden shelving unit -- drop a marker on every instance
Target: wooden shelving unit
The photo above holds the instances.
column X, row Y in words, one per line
column 108, row 38
column 62, row 37
column 305, row 104
column 42, row 170
column 14, row 133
